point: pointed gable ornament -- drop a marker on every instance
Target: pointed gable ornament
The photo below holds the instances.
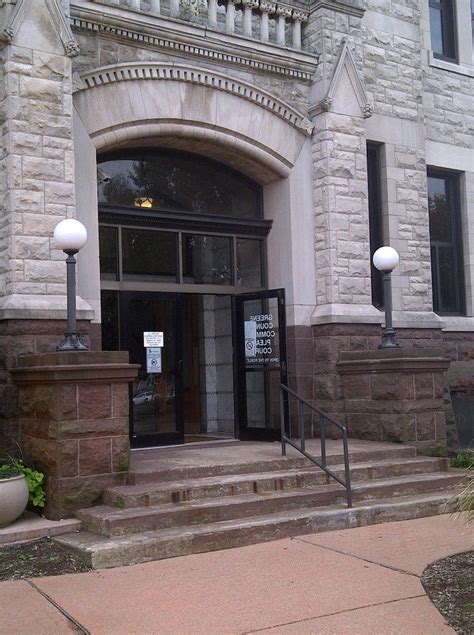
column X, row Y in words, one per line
column 20, row 9
column 346, row 89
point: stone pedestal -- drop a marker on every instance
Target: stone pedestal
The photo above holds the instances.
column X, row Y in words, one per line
column 74, row 423
column 396, row 395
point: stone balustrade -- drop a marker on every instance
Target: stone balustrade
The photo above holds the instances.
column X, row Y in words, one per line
column 263, row 20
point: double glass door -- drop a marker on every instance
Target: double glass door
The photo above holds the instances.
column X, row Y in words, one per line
column 214, row 371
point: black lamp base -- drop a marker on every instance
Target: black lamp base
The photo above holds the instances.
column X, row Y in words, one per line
column 72, row 342
column 389, row 340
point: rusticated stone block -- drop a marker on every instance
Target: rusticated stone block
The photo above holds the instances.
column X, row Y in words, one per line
column 95, row 456
column 120, row 400
column 356, row 386
column 120, row 454
column 386, row 386
column 426, row 426
column 95, row 401
column 424, row 385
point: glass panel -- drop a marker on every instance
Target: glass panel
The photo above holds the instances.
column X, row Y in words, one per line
column 256, row 400
column 436, row 28
column 206, row 259
column 249, row 263
column 216, row 365
column 153, row 394
column 262, row 346
column 110, row 321
column 447, row 275
column 108, row 252
column 177, row 182
column 149, row 253
column 439, row 209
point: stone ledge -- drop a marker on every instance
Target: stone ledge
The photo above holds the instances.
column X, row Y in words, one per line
column 92, row 367
column 391, row 360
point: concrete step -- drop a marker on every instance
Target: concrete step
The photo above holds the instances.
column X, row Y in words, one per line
column 215, row 487
column 110, row 521
column 150, row 472
column 103, row 552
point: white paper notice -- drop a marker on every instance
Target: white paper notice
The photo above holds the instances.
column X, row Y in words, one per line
column 153, row 339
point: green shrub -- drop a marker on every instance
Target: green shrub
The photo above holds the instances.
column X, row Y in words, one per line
column 464, row 460
column 34, row 480
column 466, row 499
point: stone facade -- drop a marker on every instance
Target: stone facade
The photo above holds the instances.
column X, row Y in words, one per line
column 288, row 95
column 74, row 424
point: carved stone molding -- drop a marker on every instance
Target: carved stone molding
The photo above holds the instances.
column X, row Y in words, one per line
column 350, row 7
column 56, row 16
column 193, row 40
column 203, row 77
column 345, row 61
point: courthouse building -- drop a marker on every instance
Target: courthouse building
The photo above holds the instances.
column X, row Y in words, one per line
column 219, row 149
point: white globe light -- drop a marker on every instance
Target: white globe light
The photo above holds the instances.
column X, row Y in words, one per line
column 385, row 259
column 70, row 235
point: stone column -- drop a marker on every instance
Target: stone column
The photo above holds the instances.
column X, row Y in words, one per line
column 265, row 8
column 74, row 424
column 37, row 184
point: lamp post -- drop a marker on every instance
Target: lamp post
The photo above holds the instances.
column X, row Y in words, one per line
column 70, row 235
column 385, row 260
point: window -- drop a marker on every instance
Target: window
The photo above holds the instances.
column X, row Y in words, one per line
column 177, row 218
column 375, row 219
column 445, row 242
column 443, row 37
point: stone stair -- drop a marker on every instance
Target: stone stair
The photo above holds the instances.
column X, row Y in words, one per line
column 173, row 512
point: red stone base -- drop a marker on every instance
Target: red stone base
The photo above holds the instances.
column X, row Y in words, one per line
column 30, row 337
column 74, row 424
column 397, row 395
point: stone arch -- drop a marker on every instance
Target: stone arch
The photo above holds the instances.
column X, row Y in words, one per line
column 193, row 109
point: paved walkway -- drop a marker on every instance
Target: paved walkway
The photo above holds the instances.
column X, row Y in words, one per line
column 363, row 580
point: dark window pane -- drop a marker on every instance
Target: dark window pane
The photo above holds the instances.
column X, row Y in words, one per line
column 206, row 259
column 110, row 321
column 108, row 252
column 439, row 209
column 177, row 182
column 149, row 253
column 447, row 276
column 375, row 219
column 249, row 263
column 436, row 28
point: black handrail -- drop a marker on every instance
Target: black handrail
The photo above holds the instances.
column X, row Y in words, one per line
column 346, row 482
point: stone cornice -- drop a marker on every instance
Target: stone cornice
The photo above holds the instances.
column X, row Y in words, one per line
column 350, row 7
column 190, row 39
column 202, row 76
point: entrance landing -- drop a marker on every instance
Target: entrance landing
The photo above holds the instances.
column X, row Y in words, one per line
column 243, row 456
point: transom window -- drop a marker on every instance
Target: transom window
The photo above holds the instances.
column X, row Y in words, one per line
column 175, row 218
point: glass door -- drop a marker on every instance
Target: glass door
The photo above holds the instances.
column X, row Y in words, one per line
column 261, row 363
column 156, row 416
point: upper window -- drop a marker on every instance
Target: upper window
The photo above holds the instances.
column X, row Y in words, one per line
column 443, row 34
column 446, row 245
column 176, row 182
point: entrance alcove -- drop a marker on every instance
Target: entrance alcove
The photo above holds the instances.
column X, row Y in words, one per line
column 228, row 128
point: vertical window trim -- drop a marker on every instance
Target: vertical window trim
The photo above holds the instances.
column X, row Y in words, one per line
column 453, row 186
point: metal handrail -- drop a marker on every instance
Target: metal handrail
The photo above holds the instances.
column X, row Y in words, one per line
column 346, row 482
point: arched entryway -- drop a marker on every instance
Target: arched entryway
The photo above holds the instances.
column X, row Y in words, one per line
column 245, row 146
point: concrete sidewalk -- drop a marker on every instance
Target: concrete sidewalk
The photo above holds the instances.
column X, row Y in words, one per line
column 363, row 580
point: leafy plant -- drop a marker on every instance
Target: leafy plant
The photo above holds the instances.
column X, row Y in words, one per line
column 34, row 479
column 464, row 460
